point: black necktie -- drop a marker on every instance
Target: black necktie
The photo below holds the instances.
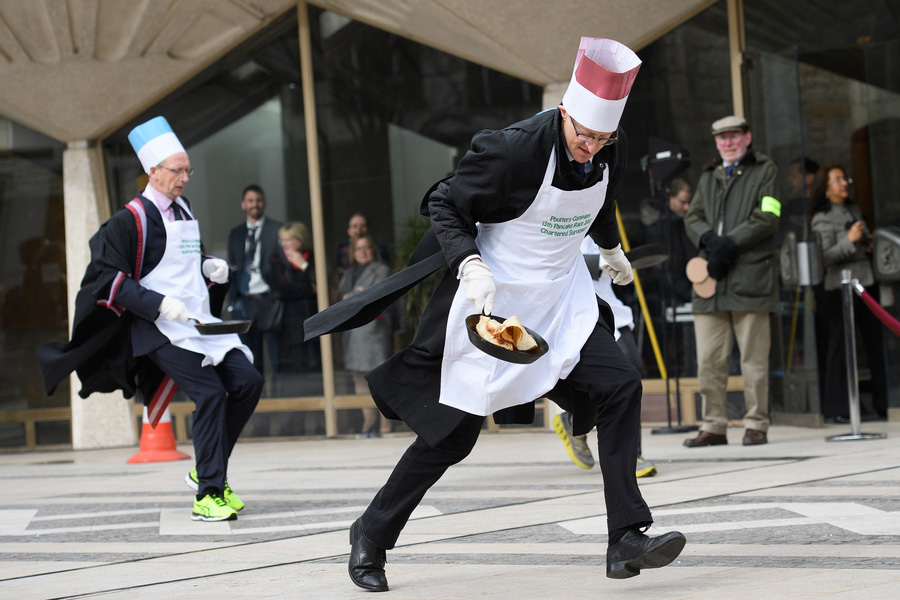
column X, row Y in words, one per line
column 176, row 211
column 249, row 253
column 579, row 168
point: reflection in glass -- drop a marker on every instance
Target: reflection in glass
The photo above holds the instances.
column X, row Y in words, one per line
column 293, row 284
column 242, row 123
column 33, row 294
column 674, row 101
column 394, row 116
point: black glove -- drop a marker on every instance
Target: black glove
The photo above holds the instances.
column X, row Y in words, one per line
column 721, row 245
column 717, row 267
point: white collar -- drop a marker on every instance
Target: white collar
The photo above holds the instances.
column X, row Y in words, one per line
column 258, row 224
column 157, row 198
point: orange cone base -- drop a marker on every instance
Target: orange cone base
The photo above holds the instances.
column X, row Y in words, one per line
column 157, row 445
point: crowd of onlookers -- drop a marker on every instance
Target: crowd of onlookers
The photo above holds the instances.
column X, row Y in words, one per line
column 737, row 223
column 275, row 286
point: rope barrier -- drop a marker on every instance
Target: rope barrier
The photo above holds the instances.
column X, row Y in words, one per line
column 883, row 315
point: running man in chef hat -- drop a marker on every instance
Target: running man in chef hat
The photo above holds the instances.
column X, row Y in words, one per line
column 215, row 371
column 535, row 189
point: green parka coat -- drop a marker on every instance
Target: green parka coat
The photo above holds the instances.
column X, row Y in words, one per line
column 745, row 209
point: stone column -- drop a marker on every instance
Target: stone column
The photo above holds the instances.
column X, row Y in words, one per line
column 553, row 94
column 102, row 420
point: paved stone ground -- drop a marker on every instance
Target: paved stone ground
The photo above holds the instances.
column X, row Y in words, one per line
column 800, row 518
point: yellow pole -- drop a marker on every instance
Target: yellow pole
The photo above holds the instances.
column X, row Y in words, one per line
column 644, row 310
column 790, row 354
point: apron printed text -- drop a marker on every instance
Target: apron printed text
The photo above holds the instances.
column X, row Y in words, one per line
column 189, row 246
column 566, row 226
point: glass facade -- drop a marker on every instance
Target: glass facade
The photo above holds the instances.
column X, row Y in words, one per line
column 393, row 116
column 671, row 105
column 829, row 95
column 33, row 297
column 820, row 87
column 241, row 122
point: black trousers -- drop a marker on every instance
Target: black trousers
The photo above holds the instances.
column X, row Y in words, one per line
column 251, row 308
column 612, row 384
column 833, row 384
column 224, row 396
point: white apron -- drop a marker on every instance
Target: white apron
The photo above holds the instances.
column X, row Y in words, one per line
column 177, row 275
column 541, row 278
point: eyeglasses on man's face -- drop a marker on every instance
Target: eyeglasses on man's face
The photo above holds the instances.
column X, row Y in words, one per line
column 178, row 172
column 590, row 139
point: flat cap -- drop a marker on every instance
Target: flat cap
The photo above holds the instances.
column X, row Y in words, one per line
column 730, row 123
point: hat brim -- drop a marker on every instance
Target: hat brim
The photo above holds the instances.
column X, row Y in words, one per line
column 741, row 129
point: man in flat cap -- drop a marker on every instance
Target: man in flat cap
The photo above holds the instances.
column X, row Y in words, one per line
column 733, row 220
column 509, row 224
column 133, row 328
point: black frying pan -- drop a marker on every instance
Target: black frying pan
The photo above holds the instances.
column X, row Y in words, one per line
column 648, row 255
column 223, row 327
column 513, row 356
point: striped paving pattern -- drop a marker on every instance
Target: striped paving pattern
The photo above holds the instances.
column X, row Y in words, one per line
column 803, row 520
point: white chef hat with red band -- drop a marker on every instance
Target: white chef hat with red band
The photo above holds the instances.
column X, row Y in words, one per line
column 601, row 81
column 154, row 142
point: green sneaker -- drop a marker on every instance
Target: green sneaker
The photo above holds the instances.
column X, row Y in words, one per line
column 576, row 445
column 644, row 468
column 230, row 497
column 212, row 508
column 191, row 480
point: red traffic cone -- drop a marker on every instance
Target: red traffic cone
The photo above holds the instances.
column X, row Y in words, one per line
column 157, row 444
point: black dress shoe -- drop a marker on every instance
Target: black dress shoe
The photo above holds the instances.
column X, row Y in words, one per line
column 366, row 565
column 636, row 551
column 706, row 438
column 753, row 437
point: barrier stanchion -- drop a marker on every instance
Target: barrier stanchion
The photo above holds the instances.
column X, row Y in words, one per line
column 850, row 366
column 157, row 443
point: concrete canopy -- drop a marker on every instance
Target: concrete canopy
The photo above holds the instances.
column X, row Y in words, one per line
column 79, row 69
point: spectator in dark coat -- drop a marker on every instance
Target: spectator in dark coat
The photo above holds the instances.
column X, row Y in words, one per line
column 294, row 284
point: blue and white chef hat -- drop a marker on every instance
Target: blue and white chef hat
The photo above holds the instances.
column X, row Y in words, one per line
column 154, row 142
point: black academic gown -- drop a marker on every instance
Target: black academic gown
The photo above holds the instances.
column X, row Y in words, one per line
column 496, row 181
column 108, row 346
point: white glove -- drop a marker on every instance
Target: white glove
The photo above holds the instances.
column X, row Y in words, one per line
column 618, row 267
column 215, row 269
column 173, row 309
column 479, row 284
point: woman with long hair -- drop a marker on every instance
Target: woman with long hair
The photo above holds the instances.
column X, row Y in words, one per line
column 845, row 243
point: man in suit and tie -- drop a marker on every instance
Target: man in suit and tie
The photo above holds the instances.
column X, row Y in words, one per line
column 250, row 247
